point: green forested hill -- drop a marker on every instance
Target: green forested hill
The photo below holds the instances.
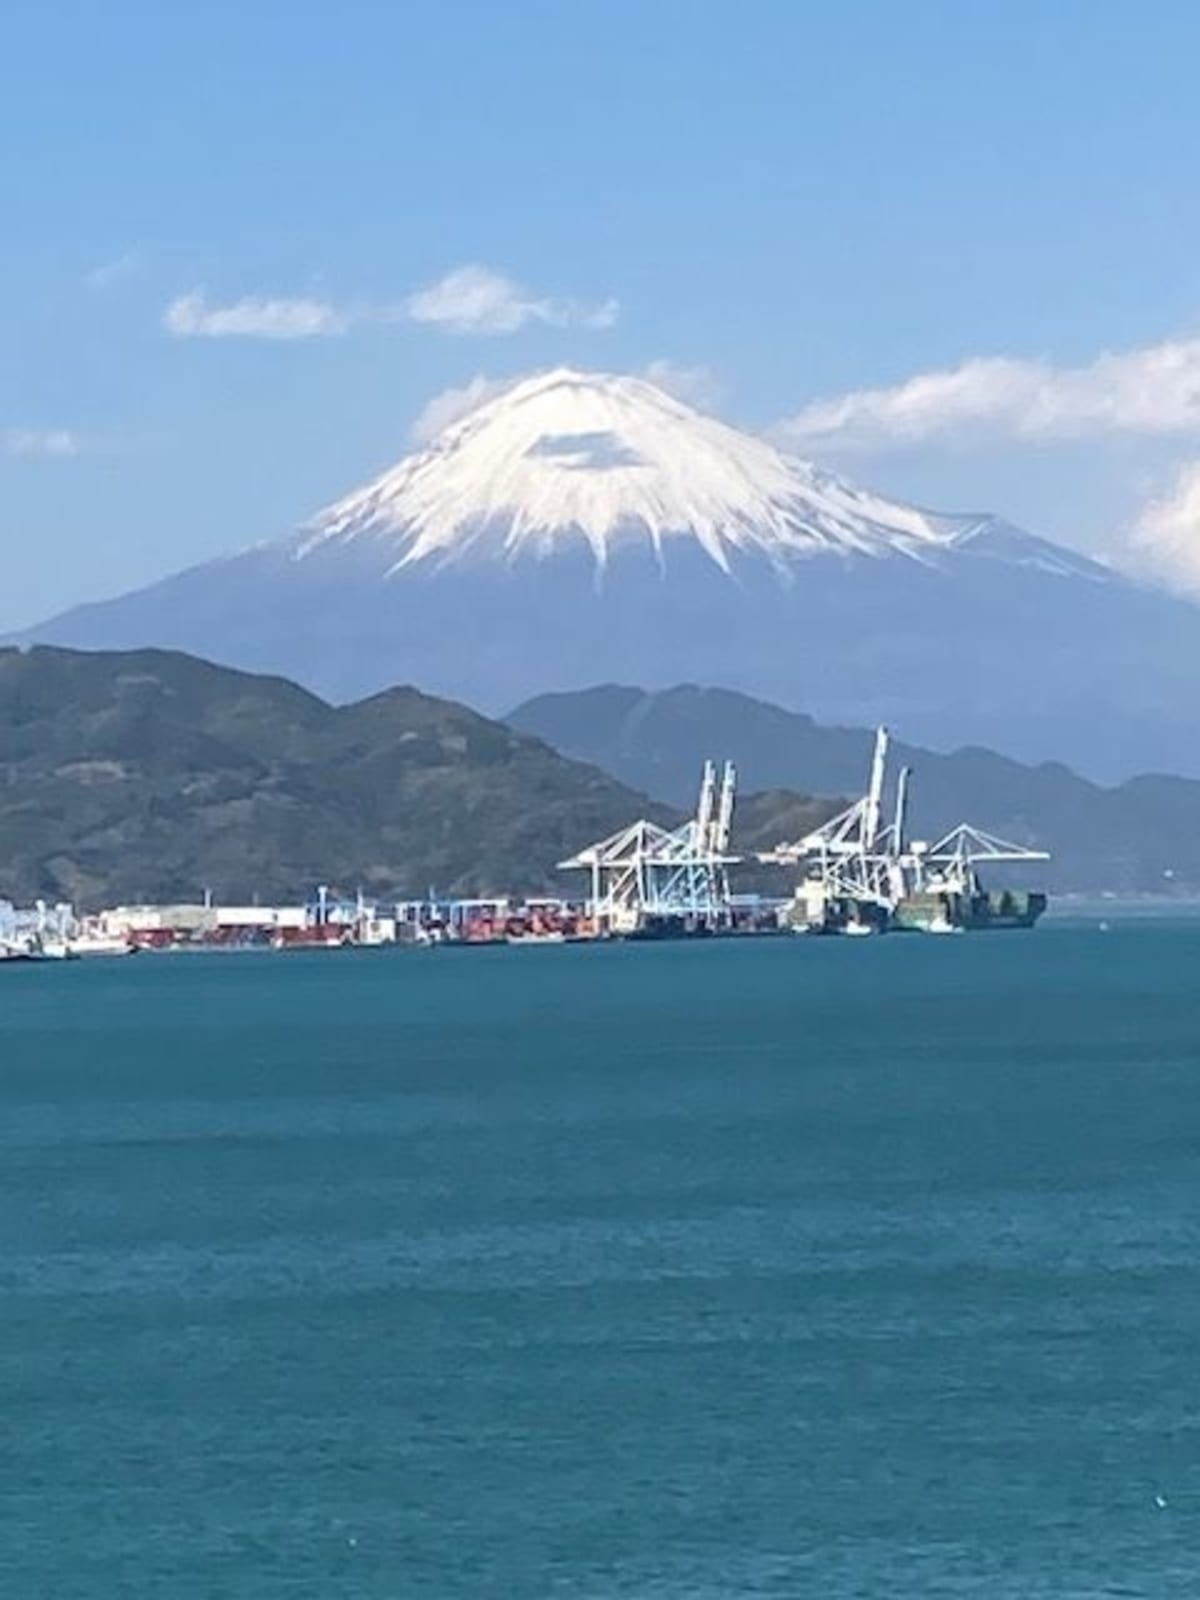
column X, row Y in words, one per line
column 151, row 774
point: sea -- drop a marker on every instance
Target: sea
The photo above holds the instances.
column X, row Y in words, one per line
column 697, row 1271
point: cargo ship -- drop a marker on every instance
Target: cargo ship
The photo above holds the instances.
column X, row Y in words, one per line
column 862, row 873
column 953, row 911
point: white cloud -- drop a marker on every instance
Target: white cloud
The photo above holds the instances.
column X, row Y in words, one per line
column 1165, row 539
column 115, row 271
column 191, row 316
column 475, row 299
column 1154, row 390
column 471, row 299
column 453, row 403
column 698, row 386
column 40, row 442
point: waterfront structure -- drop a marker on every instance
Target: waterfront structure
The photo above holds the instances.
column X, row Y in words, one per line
column 647, row 879
column 326, row 920
column 863, row 874
column 39, row 931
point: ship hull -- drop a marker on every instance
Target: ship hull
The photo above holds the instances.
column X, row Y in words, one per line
column 942, row 912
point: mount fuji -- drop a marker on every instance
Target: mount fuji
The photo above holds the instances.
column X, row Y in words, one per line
column 581, row 528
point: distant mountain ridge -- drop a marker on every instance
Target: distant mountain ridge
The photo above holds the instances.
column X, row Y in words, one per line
column 1141, row 836
column 587, row 526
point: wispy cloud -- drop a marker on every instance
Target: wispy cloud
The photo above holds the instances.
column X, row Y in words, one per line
column 476, row 299
column 118, row 270
column 40, row 442
column 1154, row 390
column 698, row 386
column 1165, row 539
column 469, row 300
column 451, row 404
column 193, row 316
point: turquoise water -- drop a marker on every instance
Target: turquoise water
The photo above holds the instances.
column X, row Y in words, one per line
column 862, row 1268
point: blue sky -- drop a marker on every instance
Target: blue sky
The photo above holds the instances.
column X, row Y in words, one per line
column 791, row 203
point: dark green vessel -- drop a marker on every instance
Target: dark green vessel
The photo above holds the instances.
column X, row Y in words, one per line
column 947, row 911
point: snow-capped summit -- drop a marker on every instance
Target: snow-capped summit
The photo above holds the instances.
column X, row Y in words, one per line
column 569, row 455
column 581, row 528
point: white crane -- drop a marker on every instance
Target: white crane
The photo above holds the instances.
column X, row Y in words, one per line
column 647, row 871
column 857, row 867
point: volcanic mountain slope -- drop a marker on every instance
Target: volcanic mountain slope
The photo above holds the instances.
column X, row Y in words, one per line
column 1140, row 836
column 583, row 527
column 150, row 774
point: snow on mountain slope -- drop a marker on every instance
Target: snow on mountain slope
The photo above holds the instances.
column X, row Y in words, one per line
column 582, row 528
column 566, row 455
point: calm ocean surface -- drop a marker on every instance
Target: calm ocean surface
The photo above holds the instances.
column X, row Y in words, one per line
column 833, row 1269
